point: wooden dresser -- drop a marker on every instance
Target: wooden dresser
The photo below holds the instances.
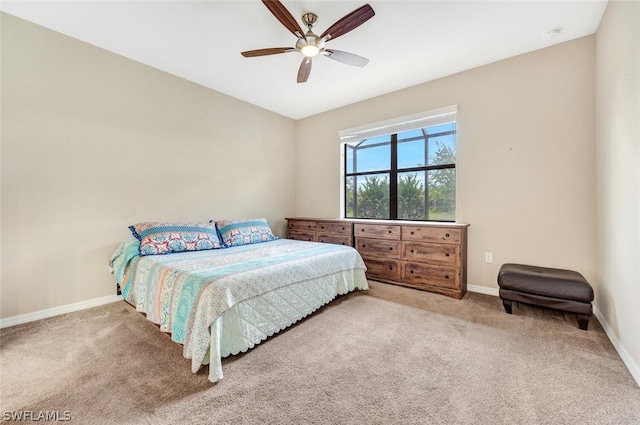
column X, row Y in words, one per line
column 428, row 256
column 338, row 232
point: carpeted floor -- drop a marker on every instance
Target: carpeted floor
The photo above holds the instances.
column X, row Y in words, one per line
column 390, row 355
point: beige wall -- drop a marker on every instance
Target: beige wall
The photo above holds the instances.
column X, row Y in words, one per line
column 93, row 142
column 525, row 157
column 618, row 176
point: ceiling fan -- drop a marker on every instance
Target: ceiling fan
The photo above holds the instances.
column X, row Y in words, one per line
column 311, row 45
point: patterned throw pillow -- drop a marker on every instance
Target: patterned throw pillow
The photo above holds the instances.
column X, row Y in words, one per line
column 244, row 232
column 166, row 238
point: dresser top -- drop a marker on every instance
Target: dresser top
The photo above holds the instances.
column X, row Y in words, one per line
column 383, row 222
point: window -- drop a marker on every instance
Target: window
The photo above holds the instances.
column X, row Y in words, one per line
column 407, row 174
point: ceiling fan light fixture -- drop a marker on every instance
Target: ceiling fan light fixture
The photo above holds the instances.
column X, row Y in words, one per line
column 311, row 45
column 310, row 50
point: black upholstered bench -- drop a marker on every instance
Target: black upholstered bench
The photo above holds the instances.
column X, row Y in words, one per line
column 559, row 289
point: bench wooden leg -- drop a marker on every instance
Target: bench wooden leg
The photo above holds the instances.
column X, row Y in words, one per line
column 507, row 306
column 583, row 321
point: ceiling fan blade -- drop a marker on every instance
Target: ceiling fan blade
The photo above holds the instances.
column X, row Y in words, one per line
column 282, row 14
column 264, row 52
column 305, row 70
column 349, row 22
column 345, row 57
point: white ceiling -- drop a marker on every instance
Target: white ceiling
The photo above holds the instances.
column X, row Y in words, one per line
column 407, row 42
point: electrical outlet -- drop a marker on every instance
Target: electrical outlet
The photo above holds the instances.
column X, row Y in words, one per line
column 488, row 257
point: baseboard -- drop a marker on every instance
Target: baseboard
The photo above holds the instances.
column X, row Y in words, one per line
column 631, row 364
column 55, row 311
column 483, row 290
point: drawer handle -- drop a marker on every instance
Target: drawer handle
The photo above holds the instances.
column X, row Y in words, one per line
column 446, row 255
column 411, row 271
column 364, row 246
column 322, row 227
column 308, row 226
column 390, row 267
column 412, row 233
column 343, row 228
column 446, row 235
column 322, row 240
column 412, row 251
column 389, row 231
column 446, row 276
column 362, row 230
column 343, row 243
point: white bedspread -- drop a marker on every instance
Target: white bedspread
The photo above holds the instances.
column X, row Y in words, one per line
column 186, row 293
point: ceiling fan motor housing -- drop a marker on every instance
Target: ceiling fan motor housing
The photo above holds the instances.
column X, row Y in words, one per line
column 311, row 45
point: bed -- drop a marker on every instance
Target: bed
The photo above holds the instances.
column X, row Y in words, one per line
column 220, row 302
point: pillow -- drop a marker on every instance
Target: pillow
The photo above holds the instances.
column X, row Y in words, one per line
column 244, row 232
column 166, row 238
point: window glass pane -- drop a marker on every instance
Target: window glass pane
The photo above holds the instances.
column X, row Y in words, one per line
column 350, row 197
column 372, row 198
column 373, row 154
column 411, row 149
column 441, row 189
column 349, row 158
column 411, row 196
column 442, row 149
column 442, row 128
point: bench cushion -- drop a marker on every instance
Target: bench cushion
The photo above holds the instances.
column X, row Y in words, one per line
column 545, row 281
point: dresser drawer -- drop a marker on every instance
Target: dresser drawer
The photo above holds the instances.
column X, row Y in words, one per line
column 432, row 234
column 421, row 251
column 444, row 277
column 335, row 239
column 383, row 269
column 301, row 236
column 376, row 231
column 339, row 228
column 378, row 248
column 301, row 226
